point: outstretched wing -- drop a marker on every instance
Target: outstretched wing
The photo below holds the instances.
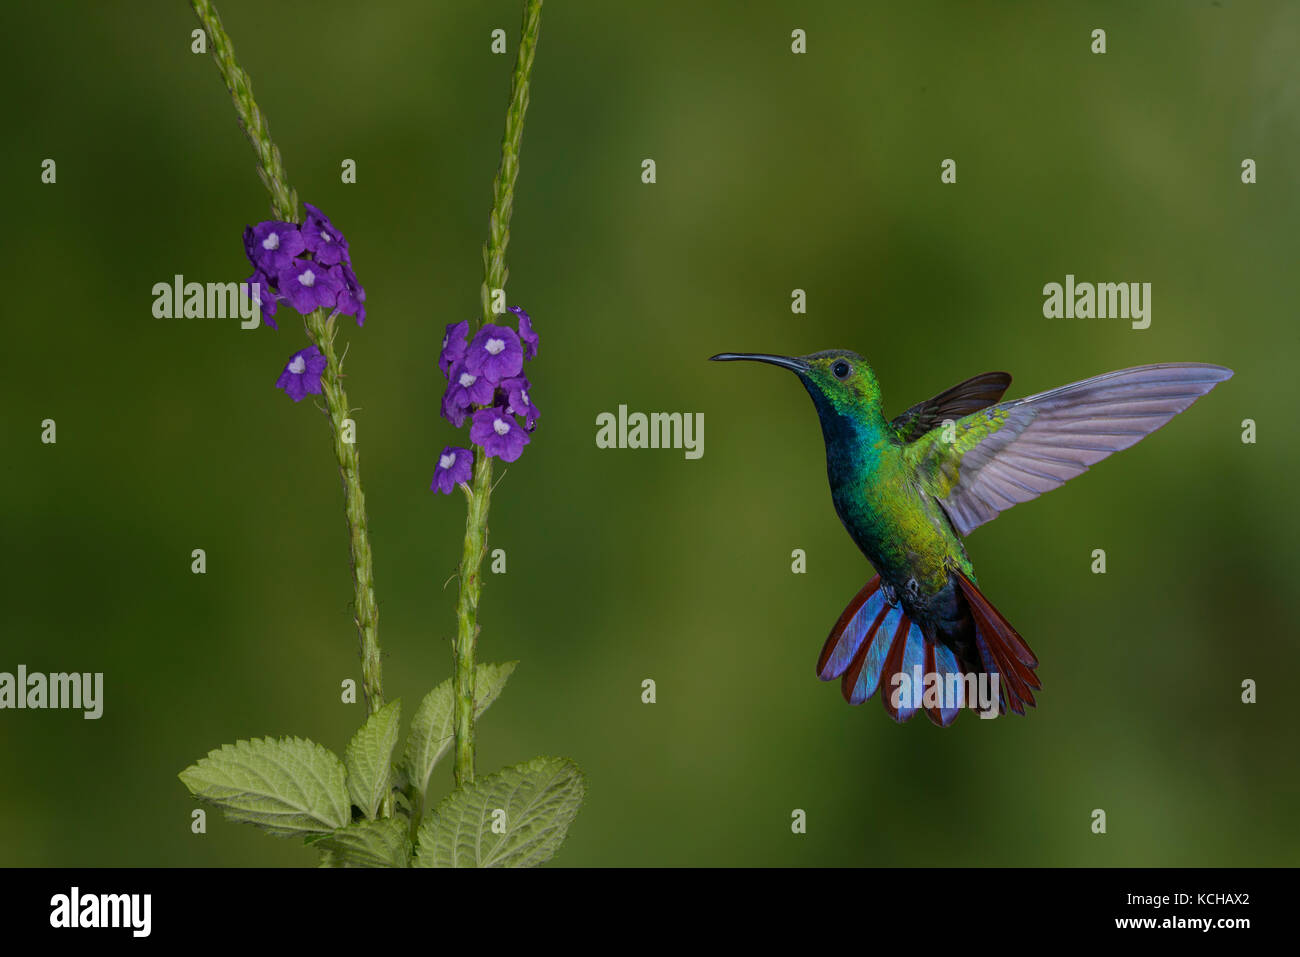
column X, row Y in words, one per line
column 962, row 399
column 1015, row 451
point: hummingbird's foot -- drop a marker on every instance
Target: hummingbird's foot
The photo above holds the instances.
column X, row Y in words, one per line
column 891, row 596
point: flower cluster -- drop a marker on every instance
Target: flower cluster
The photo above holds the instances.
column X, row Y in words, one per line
column 309, row 267
column 486, row 384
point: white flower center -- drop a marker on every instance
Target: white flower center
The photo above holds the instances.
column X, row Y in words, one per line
column 500, row 426
column 272, row 241
column 298, row 365
column 467, row 380
column 447, row 461
column 326, row 236
column 495, row 346
column 523, row 394
column 307, row 277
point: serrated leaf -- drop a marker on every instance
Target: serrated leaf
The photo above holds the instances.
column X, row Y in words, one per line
column 369, row 758
column 289, row 787
column 432, row 734
column 540, row 799
column 382, row 843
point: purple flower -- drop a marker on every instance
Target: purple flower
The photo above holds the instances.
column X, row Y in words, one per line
column 324, row 242
column 495, row 353
column 308, row 285
column 453, row 410
column 518, row 402
column 452, row 469
column 302, row 374
column 498, row 433
column 464, row 389
column 352, row 297
column 526, row 333
column 266, row 296
column 272, row 245
column 454, row 346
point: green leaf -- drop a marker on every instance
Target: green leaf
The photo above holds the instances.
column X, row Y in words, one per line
column 369, row 758
column 431, row 731
column 540, row 799
column 289, row 787
column 382, row 843
column 402, row 803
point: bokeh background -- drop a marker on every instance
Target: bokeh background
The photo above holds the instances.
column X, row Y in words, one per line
column 775, row 172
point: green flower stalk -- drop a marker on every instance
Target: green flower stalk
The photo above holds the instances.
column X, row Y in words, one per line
column 284, row 201
column 320, row 329
column 494, row 278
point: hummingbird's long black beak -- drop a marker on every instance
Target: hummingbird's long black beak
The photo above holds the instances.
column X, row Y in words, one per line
column 785, row 362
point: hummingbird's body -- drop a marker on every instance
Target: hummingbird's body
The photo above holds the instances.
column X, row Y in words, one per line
column 906, row 489
column 902, row 531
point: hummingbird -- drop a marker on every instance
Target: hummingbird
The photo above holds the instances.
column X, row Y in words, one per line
column 909, row 489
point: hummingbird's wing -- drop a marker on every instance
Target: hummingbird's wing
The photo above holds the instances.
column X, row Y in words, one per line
column 964, row 398
column 1015, row 451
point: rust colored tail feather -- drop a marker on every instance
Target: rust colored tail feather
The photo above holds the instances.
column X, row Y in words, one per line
column 1001, row 649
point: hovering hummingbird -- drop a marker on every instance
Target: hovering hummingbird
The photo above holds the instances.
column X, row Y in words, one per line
column 909, row 489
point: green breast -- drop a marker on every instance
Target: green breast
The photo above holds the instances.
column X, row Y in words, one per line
column 903, row 532
column 901, row 529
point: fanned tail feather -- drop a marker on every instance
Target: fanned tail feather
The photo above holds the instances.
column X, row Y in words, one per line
column 939, row 660
column 1002, row 651
column 850, row 630
column 907, row 653
column 874, row 641
column 862, row 678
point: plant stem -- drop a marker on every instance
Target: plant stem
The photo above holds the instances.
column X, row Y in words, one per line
column 284, row 206
column 476, row 516
column 503, row 186
column 270, row 168
column 494, row 277
column 366, row 610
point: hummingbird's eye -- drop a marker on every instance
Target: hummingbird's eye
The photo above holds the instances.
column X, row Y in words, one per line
column 840, row 370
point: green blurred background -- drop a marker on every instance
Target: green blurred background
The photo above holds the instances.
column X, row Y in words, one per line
column 775, row 171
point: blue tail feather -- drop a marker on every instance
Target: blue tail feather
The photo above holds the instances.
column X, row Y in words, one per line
column 944, row 666
column 913, row 660
column 853, row 627
column 863, row 676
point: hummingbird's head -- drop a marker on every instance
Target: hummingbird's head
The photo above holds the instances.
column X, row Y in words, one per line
column 841, row 383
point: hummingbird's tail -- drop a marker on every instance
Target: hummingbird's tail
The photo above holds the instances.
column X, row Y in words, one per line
column 875, row 644
column 1001, row 649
